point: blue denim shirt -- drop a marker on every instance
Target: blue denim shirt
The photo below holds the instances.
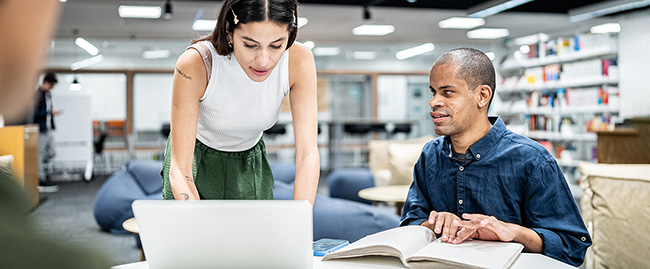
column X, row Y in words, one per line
column 508, row 176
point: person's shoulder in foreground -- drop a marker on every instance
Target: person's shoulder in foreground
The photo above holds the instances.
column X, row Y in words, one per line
column 23, row 247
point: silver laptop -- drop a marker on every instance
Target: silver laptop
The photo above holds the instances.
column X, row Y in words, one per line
column 225, row 233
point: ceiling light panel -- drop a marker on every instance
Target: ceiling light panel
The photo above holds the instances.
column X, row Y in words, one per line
column 414, row 51
column 461, row 23
column 139, row 12
column 364, row 55
column 488, row 33
column 606, row 28
column 156, row 54
column 326, row 51
column 87, row 62
column 87, row 46
column 204, row 25
column 373, row 30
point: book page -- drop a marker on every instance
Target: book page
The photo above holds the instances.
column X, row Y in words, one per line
column 471, row 254
column 398, row 242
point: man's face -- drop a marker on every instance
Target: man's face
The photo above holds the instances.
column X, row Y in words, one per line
column 454, row 107
column 47, row 86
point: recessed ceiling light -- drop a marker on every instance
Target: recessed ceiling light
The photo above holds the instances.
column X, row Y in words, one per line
column 606, row 28
column 139, row 12
column 373, row 30
column 460, row 23
column 156, row 54
column 87, row 46
column 414, row 51
column 488, row 33
column 326, row 51
column 204, row 25
column 364, row 55
column 302, row 21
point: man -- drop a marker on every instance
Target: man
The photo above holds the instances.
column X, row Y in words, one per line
column 480, row 180
column 44, row 116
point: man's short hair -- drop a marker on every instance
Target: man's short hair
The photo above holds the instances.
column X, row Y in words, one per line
column 50, row 77
column 474, row 67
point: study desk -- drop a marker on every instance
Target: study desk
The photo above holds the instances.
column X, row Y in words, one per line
column 524, row 261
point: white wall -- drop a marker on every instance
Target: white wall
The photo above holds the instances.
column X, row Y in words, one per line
column 107, row 91
column 633, row 59
column 152, row 98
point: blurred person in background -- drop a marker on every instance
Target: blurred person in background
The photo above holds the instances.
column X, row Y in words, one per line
column 44, row 116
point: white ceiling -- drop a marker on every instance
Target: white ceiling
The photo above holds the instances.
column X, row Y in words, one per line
column 122, row 41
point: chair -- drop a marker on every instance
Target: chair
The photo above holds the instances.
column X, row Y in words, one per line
column 346, row 183
column 615, row 209
column 99, row 153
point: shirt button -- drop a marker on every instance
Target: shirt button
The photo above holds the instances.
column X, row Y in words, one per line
column 583, row 239
column 461, row 168
column 478, row 156
column 460, row 202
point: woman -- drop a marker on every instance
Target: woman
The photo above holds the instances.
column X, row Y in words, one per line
column 216, row 149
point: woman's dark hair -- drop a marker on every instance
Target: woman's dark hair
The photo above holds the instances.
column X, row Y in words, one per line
column 280, row 11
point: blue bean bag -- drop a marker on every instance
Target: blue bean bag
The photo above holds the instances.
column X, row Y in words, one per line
column 138, row 179
column 333, row 218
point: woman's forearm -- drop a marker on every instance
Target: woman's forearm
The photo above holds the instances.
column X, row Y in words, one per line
column 307, row 176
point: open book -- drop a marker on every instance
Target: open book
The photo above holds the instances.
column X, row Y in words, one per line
column 417, row 247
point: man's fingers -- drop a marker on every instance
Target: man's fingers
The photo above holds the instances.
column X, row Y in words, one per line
column 432, row 217
column 469, row 216
column 463, row 234
column 448, row 228
column 453, row 230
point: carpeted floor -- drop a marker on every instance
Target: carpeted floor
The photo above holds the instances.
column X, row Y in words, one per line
column 67, row 216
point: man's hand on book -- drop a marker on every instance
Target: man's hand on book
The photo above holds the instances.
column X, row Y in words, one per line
column 485, row 227
column 444, row 224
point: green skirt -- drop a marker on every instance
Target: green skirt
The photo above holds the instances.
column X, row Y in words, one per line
column 244, row 175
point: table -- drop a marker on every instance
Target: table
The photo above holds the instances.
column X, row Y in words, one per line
column 524, row 261
column 131, row 225
column 390, row 194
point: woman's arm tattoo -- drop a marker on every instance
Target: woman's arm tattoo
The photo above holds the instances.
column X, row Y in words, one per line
column 185, row 196
column 183, row 74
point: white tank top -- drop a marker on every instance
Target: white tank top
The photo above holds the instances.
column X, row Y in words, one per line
column 235, row 110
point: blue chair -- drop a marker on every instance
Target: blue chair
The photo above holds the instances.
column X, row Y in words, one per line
column 346, row 183
column 340, row 218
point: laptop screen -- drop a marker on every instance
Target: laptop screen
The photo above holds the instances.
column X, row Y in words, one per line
column 225, row 233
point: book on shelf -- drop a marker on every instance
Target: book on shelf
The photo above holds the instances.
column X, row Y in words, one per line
column 417, row 247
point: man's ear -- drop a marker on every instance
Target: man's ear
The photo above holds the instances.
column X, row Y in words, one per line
column 484, row 95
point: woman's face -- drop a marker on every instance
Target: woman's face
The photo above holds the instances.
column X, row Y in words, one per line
column 258, row 47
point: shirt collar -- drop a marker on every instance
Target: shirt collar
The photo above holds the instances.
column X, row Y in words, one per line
column 483, row 145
